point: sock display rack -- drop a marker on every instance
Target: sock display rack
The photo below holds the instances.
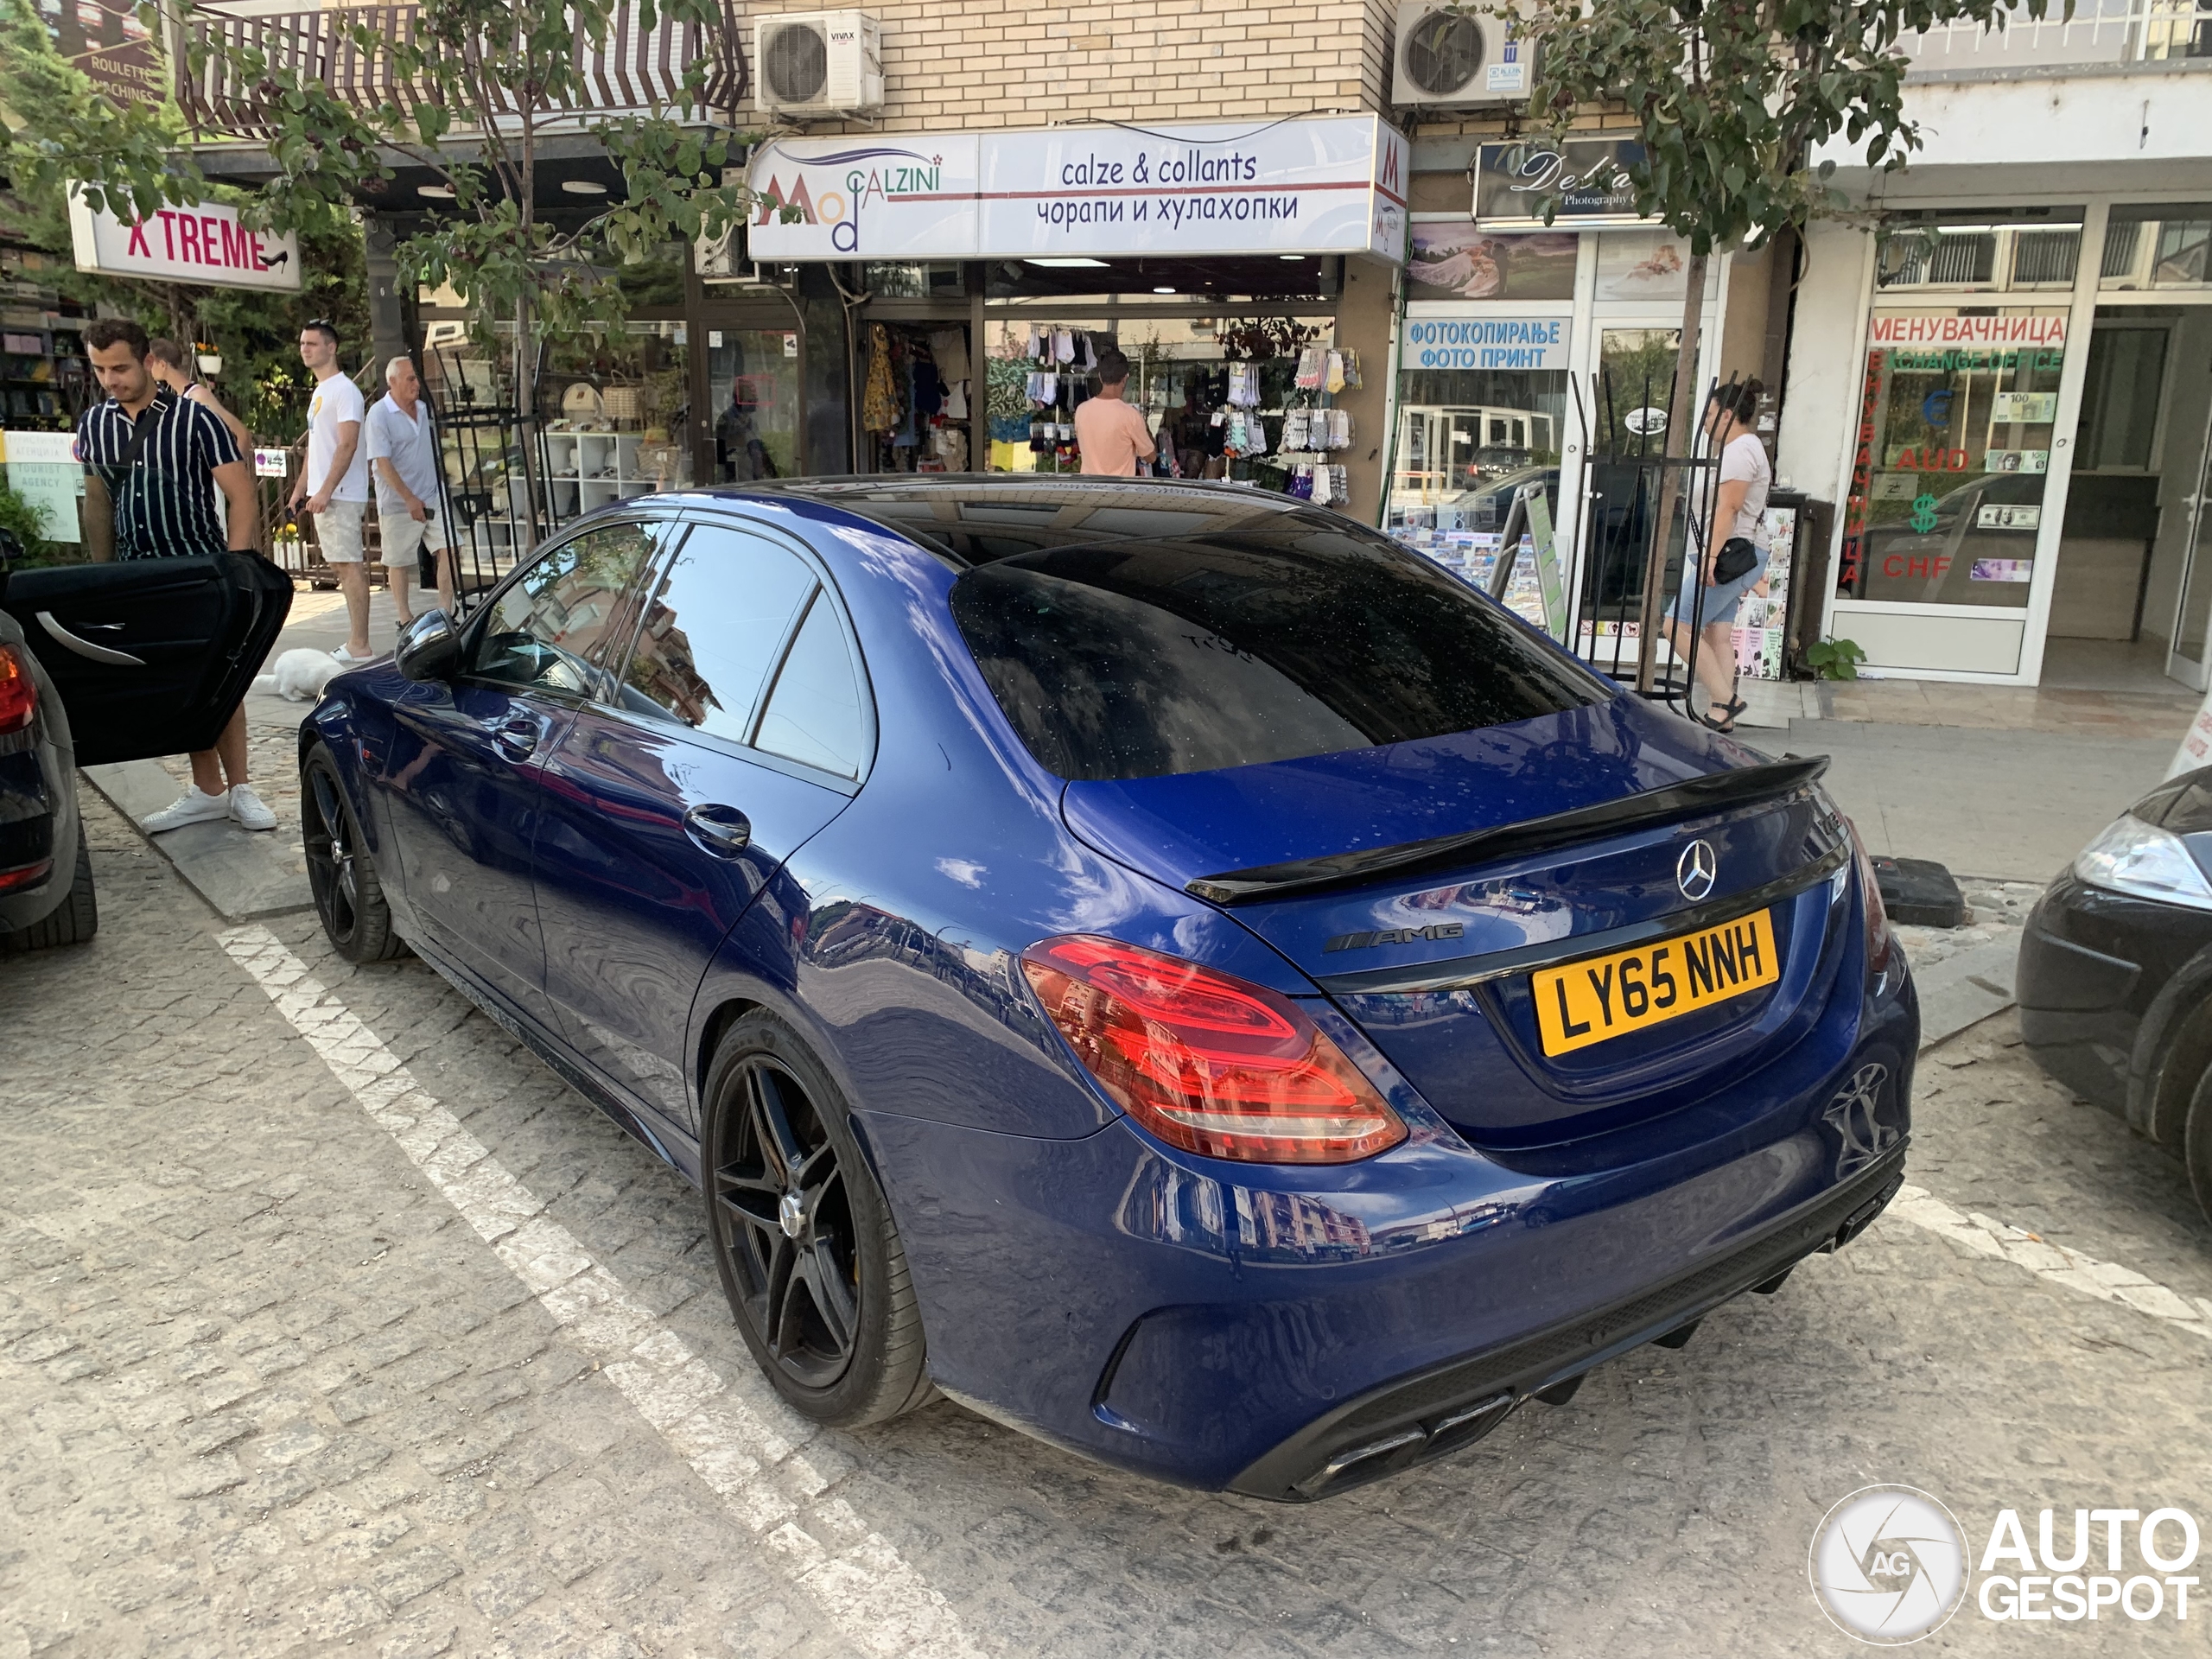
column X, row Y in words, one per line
column 1266, row 420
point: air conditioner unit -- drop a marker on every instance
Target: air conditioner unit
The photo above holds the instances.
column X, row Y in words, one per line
column 1449, row 58
column 816, row 65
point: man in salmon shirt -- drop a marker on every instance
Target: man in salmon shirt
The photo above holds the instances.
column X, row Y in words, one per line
column 1112, row 436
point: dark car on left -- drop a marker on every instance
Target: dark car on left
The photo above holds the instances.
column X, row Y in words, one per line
column 103, row 663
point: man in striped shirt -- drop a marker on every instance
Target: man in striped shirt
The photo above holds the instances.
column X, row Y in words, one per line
column 154, row 462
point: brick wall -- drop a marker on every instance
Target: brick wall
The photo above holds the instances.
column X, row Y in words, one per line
column 985, row 63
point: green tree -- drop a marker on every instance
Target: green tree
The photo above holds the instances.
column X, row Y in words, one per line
column 472, row 90
column 1731, row 98
column 58, row 129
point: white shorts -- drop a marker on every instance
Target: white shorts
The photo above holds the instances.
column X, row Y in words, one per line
column 405, row 537
column 338, row 528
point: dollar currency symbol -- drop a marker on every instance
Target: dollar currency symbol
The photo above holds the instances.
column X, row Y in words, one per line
column 1923, row 512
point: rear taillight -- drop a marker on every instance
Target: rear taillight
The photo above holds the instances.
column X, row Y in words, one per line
column 1208, row 1062
column 18, row 692
column 25, row 875
column 1878, row 937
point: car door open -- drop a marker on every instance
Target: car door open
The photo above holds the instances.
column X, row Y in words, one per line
column 151, row 656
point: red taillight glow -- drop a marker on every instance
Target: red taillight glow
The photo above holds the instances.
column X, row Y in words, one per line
column 25, row 875
column 1878, row 937
column 1207, row 1062
column 18, row 692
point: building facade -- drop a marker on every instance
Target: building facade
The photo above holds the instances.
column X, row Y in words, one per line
column 2001, row 367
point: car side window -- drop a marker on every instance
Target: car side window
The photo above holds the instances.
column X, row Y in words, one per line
column 714, row 627
column 558, row 627
column 813, row 714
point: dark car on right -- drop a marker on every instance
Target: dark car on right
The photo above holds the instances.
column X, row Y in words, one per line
column 2115, row 973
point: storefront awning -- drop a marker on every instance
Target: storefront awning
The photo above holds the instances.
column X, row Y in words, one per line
column 1321, row 184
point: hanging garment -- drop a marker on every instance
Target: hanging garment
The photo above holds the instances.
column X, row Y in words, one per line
column 1335, row 379
column 955, row 401
column 1063, row 347
column 880, row 404
column 1089, row 363
column 1310, row 369
column 949, row 347
column 1296, row 427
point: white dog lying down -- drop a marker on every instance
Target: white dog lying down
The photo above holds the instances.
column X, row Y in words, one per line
column 300, row 676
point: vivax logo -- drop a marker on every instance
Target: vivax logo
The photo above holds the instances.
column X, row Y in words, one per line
column 1888, row 1564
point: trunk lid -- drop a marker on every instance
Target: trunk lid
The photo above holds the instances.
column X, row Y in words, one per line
column 1426, row 885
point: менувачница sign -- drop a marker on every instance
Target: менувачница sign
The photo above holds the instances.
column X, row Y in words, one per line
column 1326, row 184
column 1587, row 180
column 203, row 242
column 1485, row 343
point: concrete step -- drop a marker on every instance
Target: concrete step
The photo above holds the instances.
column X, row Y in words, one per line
column 244, row 875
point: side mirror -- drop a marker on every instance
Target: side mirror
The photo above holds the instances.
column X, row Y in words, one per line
column 429, row 648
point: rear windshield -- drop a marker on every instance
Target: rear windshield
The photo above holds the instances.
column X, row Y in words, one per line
column 1138, row 660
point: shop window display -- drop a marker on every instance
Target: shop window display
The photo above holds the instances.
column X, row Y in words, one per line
column 1954, row 451
column 1248, row 400
column 1468, row 440
column 915, row 405
column 612, row 407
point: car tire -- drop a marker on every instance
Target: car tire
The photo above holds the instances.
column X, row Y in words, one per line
column 73, row 921
column 341, row 874
column 809, row 1255
column 2196, row 1144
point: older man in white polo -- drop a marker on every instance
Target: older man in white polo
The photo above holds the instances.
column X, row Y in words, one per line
column 404, row 457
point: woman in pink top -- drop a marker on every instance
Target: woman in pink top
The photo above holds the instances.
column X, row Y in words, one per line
column 1112, row 436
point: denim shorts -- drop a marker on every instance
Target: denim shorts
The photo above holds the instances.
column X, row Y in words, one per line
column 1721, row 600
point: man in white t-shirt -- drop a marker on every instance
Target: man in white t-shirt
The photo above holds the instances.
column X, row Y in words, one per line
column 336, row 481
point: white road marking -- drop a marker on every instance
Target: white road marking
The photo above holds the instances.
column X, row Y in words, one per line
column 739, row 1436
column 2107, row 1281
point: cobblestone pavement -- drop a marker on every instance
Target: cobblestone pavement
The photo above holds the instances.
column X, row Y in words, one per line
column 267, row 1392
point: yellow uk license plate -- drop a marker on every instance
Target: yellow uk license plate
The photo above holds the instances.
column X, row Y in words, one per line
column 1586, row 1002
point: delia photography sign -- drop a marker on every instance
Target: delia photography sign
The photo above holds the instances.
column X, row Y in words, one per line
column 202, row 242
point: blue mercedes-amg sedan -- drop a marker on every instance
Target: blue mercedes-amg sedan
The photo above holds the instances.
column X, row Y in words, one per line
column 1160, row 964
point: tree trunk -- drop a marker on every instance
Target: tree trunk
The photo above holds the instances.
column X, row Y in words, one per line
column 526, row 415
column 1679, row 416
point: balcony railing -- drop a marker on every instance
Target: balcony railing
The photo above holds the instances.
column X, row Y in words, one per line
column 2100, row 31
column 634, row 71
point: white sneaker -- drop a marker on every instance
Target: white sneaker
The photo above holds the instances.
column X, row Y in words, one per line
column 191, row 807
column 248, row 811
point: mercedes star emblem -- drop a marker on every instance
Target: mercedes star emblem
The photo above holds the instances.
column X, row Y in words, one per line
column 1695, row 870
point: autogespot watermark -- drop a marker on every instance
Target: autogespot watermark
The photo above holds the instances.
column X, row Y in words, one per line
column 1891, row 1563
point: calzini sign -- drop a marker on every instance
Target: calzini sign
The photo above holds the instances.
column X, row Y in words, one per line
column 1327, row 184
column 203, row 242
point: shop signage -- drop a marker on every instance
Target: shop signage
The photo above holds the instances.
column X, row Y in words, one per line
column 1330, row 184
column 1905, row 328
column 1587, row 179
column 203, row 243
column 1485, row 342
column 273, row 463
column 42, row 469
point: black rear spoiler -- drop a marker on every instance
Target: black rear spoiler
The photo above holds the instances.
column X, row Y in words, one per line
column 1714, row 792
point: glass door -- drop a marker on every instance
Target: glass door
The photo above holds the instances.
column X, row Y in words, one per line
column 2187, row 660
column 753, row 404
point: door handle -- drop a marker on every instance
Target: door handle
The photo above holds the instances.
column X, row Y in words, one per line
column 69, row 641
column 518, row 738
column 721, row 830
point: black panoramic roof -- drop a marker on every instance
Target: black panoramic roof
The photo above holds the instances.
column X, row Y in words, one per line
column 972, row 519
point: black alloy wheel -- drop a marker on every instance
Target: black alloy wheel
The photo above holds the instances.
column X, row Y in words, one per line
column 340, row 873
column 809, row 1257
